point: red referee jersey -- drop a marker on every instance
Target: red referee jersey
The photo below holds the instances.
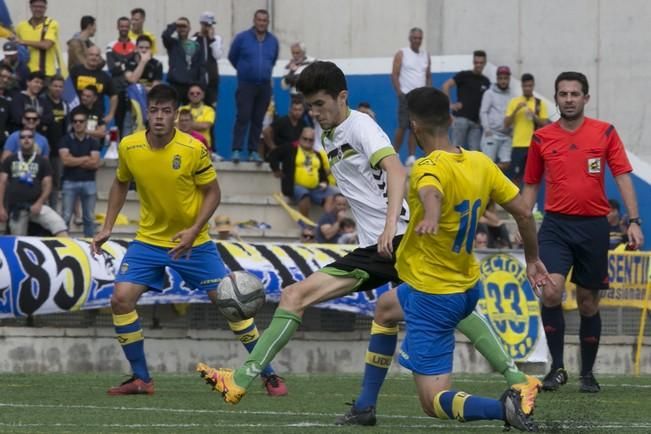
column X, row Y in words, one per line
column 574, row 166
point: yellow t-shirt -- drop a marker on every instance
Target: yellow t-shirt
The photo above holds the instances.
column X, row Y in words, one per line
column 133, row 37
column 203, row 113
column 27, row 32
column 444, row 263
column 167, row 182
column 523, row 126
column 307, row 165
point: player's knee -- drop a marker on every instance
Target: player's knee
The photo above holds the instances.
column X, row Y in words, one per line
column 552, row 296
column 121, row 301
column 386, row 313
column 588, row 307
column 292, row 299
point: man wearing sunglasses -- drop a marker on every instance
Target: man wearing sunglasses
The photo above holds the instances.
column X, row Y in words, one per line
column 25, row 186
column 31, row 120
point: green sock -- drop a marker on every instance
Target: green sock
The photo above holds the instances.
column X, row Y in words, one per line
column 475, row 327
column 280, row 331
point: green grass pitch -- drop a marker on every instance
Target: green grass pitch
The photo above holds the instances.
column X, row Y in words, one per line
column 57, row 403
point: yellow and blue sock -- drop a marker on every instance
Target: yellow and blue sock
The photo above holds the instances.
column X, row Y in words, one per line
column 247, row 332
column 129, row 334
column 451, row 404
column 379, row 355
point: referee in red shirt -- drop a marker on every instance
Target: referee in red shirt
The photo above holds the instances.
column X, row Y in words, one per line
column 573, row 154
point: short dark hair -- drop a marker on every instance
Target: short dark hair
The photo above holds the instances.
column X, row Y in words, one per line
column 86, row 21
column 430, row 106
column 364, row 104
column 527, row 77
column 123, row 19
column 261, row 11
column 92, row 88
column 573, row 76
column 140, row 11
column 30, row 109
column 163, row 93
column 320, row 75
column 479, row 53
column 78, row 111
column 5, row 67
column 57, row 77
column 196, row 84
column 35, row 74
column 144, row 38
column 34, row 1
column 297, row 98
column 185, row 112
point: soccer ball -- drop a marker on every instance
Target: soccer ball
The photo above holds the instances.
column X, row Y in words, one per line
column 240, row 295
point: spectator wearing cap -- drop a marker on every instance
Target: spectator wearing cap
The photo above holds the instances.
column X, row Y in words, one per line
column 253, row 54
column 471, row 85
column 16, row 58
column 211, row 49
column 31, row 120
column 496, row 137
column 81, row 42
column 183, row 55
column 138, row 16
column 28, row 98
column 224, row 228
column 41, row 36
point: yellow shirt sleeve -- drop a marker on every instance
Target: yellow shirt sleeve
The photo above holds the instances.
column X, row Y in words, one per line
column 52, row 33
column 204, row 172
column 427, row 173
column 503, row 190
column 123, row 174
column 208, row 115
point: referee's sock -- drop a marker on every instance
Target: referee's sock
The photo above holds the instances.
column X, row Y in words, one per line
column 129, row 334
column 554, row 324
column 280, row 331
column 379, row 355
column 589, row 334
column 247, row 333
column 451, row 404
column 476, row 328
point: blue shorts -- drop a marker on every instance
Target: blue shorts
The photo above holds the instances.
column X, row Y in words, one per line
column 144, row 264
column 317, row 195
column 428, row 347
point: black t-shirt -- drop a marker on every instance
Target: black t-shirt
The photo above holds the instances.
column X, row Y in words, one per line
column 95, row 117
column 82, row 77
column 56, row 123
column 25, row 179
column 153, row 70
column 79, row 148
column 5, row 107
column 470, row 88
column 284, row 132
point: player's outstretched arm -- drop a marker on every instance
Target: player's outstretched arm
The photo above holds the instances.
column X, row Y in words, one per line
column 117, row 196
column 396, row 175
column 536, row 271
column 431, row 198
column 529, row 195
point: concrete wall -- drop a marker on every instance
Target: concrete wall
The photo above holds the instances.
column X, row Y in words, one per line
column 603, row 38
column 41, row 350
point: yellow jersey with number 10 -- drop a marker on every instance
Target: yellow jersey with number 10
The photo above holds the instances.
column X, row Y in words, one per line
column 167, row 182
column 444, row 263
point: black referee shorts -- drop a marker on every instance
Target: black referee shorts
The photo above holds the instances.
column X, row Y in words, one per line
column 567, row 241
column 366, row 260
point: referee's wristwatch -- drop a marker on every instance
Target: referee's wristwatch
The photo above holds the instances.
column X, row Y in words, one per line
column 636, row 220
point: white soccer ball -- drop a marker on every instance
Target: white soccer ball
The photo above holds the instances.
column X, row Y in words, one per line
column 240, row 295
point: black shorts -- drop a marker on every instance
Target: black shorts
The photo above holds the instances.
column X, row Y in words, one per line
column 568, row 241
column 366, row 260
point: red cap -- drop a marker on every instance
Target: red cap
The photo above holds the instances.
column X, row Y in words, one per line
column 503, row 70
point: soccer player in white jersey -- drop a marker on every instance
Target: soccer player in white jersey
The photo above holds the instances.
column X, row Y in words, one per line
column 370, row 175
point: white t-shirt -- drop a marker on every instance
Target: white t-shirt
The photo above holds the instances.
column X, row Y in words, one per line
column 413, row 69
column 354, row 149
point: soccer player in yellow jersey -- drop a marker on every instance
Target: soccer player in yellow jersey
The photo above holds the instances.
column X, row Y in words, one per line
column 179, row 192
column 448, row 192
